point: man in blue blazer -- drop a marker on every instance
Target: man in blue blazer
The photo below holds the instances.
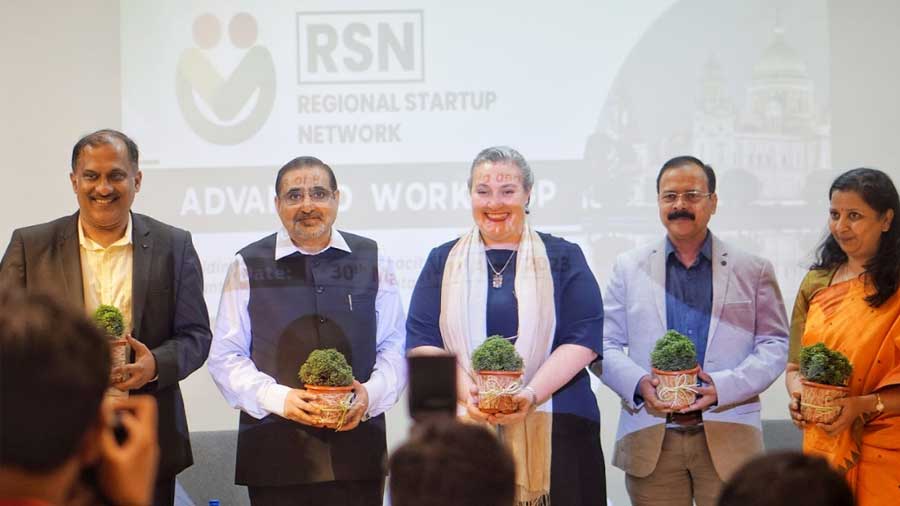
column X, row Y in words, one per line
column 729, row 304
column 105, row 254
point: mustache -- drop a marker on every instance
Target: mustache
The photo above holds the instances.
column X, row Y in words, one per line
column 306, row 215
column 675, row 215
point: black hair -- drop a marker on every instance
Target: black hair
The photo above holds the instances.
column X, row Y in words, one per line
column 878, row 191
column 681, row 161
column 447, row 463
column 52, row 357
column 786, row 479
column 103, row 137
column 301, row 162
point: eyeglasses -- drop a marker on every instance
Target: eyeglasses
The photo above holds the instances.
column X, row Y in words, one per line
column 691, row 197
column 317, row 194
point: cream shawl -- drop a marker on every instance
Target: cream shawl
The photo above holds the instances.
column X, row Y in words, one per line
column 463, row 324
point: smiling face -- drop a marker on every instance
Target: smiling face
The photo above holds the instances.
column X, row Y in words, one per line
column 498, row 203
column 684, row 220
column 307, row 206
column 105, row 183
column 855, row 226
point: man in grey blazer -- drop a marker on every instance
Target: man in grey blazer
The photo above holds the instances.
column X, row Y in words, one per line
column 105, row 254
column 729, row 304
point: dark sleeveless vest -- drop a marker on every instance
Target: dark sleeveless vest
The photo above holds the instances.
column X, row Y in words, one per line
column 298, row 304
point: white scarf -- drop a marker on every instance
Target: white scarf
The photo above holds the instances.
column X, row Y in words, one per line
column 463, row 325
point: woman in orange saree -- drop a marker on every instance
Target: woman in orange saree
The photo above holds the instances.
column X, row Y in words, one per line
column 849, row 302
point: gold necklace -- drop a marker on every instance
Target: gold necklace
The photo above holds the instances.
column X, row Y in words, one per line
column 497, row 278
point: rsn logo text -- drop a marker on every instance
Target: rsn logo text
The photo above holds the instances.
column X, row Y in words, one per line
column 360, row 47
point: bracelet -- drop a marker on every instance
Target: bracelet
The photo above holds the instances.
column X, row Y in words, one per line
column 533, row 395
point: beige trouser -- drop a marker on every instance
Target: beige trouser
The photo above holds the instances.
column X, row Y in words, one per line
column 684, row 472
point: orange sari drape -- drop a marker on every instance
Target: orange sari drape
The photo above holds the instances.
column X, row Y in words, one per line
column 839, row 316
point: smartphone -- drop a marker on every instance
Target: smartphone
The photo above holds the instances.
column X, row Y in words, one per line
column 119, row 430
column 432, row 386
column 89, row 477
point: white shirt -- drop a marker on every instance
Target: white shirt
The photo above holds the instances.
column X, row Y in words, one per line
column 257, row 393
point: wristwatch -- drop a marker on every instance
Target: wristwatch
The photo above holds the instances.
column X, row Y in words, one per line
column 879, row 406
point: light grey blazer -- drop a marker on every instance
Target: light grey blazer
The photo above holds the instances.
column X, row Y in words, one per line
column 746, row 351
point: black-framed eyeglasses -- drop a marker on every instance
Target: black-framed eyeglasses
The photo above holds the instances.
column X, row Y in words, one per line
column 691, row 197
column 317, row 194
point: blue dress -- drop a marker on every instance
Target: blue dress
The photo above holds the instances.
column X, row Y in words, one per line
column 577, row 475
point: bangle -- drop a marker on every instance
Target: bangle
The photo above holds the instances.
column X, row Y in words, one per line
column 533, row 395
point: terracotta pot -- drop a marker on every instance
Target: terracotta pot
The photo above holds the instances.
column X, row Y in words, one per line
column 496, row 390
column 333, row 402
column 118, row 352
column 817, row 401
column 677, row 388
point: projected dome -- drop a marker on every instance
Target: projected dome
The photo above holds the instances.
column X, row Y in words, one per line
column 759, row 110
column 779, row 61
column 781, row 95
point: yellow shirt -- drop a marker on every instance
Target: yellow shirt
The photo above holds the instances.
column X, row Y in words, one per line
column 106, row 273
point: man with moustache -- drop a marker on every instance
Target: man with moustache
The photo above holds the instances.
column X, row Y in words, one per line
column 105, row 254
column 727, row 302
column 307, row 287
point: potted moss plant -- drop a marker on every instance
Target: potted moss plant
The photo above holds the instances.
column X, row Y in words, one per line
column 825, row 376
column 327, row 374
column 674, row 363
column 111, row 322
column 499, row 370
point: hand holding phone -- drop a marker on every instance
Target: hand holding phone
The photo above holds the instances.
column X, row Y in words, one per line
column 432, row 386
column 128, row 464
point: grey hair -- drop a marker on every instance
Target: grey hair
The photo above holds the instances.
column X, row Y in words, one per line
column 496, row 154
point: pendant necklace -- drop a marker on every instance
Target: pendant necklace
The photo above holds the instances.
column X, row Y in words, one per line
column 497, row 278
